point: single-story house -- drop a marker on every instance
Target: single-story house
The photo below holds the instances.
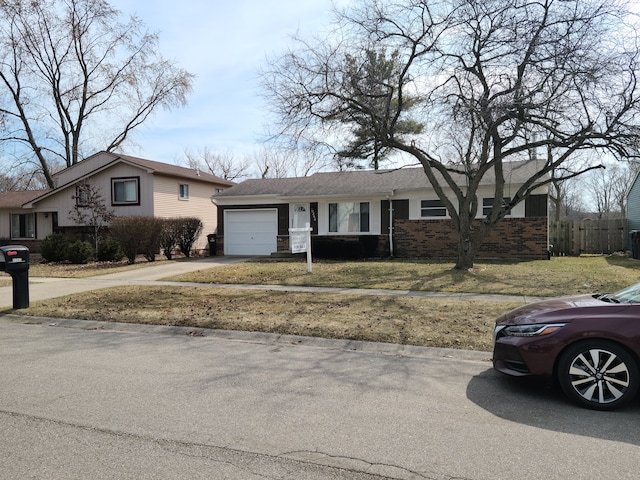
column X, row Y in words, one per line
column 254, row 216
column 129, row 186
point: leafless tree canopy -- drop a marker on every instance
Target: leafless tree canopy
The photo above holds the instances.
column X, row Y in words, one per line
column 75, row 78
column 274, row 162
column 608, row 189
column 269, row 162
column 222, row 164
column 463, row 86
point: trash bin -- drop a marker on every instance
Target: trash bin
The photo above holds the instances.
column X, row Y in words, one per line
column 14, row 259
column 212, row 244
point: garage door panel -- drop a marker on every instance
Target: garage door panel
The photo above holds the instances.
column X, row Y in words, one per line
column 250, row 232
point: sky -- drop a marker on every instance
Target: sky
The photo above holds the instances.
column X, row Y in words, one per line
column 224, row 43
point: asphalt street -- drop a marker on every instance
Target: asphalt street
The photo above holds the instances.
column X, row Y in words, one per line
column 90, row 400
column 98, row 400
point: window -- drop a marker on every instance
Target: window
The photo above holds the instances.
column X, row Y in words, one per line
column 487, row 204
column 536, row 206
column 349, row 217
column 23, row 226
column 432, row 208
column 184, row 191
column 125, row 191
column 82, row 194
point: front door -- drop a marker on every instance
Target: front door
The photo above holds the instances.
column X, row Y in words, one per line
column 299, row 215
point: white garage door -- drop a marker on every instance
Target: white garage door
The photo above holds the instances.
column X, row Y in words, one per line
column 250, row 232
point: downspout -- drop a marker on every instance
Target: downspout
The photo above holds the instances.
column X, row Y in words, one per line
column 390, row 224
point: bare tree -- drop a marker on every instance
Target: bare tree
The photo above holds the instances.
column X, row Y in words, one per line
column 75, row 79
column 607, row 188
column 90, row 210
column 269, row 162
column 488, row 82
column 567, row 199
column 224, row 165
column 281, row 162
column 17, row 176
column 565, row 189
column 273, row 164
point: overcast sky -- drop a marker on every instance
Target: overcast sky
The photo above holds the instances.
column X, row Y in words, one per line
column 223, row 43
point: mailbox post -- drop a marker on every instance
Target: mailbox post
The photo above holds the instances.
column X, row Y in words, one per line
column 14, row 259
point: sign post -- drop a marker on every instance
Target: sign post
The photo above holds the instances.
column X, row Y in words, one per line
column 300, row 241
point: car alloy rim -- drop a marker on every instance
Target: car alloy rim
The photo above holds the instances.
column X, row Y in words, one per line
column 599, row 376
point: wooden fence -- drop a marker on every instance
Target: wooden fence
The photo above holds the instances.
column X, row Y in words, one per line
column 575, row 237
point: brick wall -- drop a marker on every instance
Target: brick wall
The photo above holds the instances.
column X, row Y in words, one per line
column 32, row 245
column 517, row 238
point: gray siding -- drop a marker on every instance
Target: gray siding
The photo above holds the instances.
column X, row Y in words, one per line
column 633, row 207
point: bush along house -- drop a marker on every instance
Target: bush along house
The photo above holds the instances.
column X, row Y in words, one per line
column 373, row 214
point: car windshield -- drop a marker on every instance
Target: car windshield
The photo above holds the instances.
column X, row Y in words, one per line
column 628, row 295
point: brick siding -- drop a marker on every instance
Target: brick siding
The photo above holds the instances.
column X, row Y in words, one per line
column 512, row 239
column 521, row 239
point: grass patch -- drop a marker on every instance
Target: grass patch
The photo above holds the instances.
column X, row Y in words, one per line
column 402, row 320
column 69, row 270
column 405, row 320
column 559, row 276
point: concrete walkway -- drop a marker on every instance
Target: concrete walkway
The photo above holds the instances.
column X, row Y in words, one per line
column 42, row 288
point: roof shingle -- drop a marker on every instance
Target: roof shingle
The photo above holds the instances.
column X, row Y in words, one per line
column 17, row 199
column 175, row 170
column 363, row 182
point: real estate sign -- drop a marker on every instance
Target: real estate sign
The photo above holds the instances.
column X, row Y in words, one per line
column 300, row 241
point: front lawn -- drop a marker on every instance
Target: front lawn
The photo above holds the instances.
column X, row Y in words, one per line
column 397, row 319
column 558, row 276
column 403, row 320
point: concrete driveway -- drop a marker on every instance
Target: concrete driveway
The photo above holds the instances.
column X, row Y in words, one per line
column 44, row 288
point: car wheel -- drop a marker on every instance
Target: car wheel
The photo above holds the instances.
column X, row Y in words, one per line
column 598, row 374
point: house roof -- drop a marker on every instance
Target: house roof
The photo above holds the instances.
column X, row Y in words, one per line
column 17, row 199
column 173, row 170
column 150, row 165
column 364, row 182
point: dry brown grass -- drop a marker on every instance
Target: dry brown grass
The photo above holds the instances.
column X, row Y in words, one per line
column 407, row 320
column 403, row 320
column 559, row 276
column 68, row 270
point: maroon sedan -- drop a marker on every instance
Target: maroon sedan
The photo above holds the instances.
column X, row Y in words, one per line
column 589, row 344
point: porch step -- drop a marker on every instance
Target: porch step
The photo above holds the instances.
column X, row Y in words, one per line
column 284, row 254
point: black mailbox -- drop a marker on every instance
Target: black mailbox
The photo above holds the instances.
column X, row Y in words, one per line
column 14, row 259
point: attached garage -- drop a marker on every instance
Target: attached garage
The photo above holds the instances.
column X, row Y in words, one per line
column 250, row 232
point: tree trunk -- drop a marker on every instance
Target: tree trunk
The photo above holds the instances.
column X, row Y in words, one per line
column 45, row 170
column 471, row 235
column 466, row 252
column 466, row 247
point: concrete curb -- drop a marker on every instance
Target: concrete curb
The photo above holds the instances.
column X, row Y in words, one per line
column 377, row 348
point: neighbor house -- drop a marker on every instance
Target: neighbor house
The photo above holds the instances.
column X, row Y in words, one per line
column 128, row 185
column 254, row 216
column 633, row 215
